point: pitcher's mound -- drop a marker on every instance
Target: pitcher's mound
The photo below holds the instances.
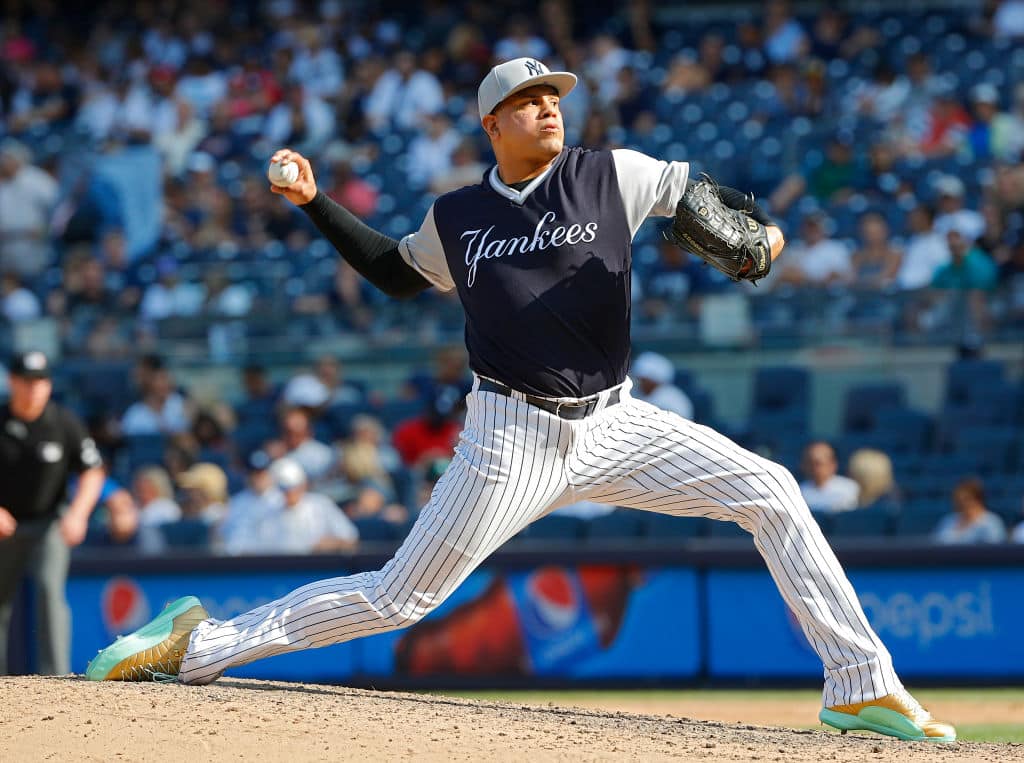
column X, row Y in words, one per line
column 69, row 718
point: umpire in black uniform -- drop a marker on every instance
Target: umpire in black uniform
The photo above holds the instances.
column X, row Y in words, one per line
column 41, row 444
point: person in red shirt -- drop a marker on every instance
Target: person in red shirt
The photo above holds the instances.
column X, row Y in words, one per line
column 432, row 434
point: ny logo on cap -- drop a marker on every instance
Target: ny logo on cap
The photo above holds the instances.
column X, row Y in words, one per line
column 536, row 68
column 35, row 361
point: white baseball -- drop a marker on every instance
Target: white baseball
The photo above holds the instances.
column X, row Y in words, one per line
column 283, row 173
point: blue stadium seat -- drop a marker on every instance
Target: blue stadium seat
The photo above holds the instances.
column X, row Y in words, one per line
column 555, row 527
column 970, row 379
column 864, row 401
column 915, row 524
column 375, row 529
column 395, row 411
column 865, row 522
column 144, row 450
column 620, row 524
column 658, row 526
column 725, row 529
column 186, row 533
column 781, row 388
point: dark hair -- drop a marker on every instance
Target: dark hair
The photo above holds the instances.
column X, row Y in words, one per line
column 972, row 487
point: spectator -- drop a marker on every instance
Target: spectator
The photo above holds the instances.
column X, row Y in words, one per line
column 17, row 303
column 951, row 211
column 926, row 251
column 169, row 296
column 430, row 152
column 432, row 434
column 877, row 261
column 161, row 410
column 825, row 490
column 884, row 97
column 340, row 391
column 403, row 96
column 655, row 383
column 1008, row 20
column 302, row 120
column 259, row 397
column 969, row 268
column 947, row 126
column 155, row 497
column 971, row 521
column 27, row 199
column 784, row 38
column 520, row 42
column 1018, row 532
column 872, row 471
column 351, row 191
column 994, row 134
column 304, row 522
column 466, row 169
column 250, row 506
column 815, row 259
column 206, row 493
column 297, row 442
column 450, row 372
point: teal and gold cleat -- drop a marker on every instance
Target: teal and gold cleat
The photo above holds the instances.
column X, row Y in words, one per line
column 896, row 715
column 154, row 651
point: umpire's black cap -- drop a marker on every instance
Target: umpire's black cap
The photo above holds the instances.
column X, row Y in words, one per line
column 30, row 365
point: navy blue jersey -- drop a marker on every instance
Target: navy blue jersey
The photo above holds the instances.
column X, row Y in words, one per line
column 544, row 273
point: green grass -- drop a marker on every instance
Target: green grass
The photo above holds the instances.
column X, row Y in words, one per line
column 976, row 732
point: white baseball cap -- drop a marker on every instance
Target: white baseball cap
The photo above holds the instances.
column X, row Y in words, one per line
column 657, row 368
column 287, row 473
column 515, row 75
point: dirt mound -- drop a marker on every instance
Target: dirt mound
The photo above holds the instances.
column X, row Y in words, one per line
column 71, row 718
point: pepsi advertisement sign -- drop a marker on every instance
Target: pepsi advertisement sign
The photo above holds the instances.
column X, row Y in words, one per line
column 936, row 623
column 579, row 621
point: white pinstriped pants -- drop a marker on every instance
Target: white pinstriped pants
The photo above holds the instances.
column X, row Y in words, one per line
column 514, row 464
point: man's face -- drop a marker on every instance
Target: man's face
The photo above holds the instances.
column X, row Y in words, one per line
column 820, row 463
column 29, row 396
column 528, row 124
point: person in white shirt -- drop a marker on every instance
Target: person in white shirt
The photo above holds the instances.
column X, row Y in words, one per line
column 825, row 490
column 28, row 195
column 305, row 522
column 155, row 497
column 654, row 375
column 952, row 213
column 317, row 459
column 926, row 251
column 16, row 302
column 161, row 409
column 403, row 96
column 249, row 507
column 971, row 522
column 816, row 259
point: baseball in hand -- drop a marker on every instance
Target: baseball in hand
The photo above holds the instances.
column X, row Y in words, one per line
column 283, row 173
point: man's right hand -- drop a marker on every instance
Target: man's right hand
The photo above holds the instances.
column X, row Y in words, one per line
column 302, row 190
column 8, row 524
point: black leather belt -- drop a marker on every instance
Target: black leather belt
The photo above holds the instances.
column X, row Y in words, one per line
column 577, row 409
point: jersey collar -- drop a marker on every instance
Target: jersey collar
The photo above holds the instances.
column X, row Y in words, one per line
column 519, row 197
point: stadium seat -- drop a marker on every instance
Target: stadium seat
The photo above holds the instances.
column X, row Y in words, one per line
column 866, row 522
column 914, row 524
column 555, row 527
column 863, row 403
column 781, row 388
column 665, row 526
column 725, row 529
column 968, row 380
column 375, row 529
column 186, row 533
column 620, row 524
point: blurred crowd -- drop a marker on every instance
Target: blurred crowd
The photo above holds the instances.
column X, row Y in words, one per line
column 134, row 211
column 132, row 192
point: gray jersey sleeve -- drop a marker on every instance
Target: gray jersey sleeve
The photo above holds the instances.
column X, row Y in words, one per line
column 424, row 252
column 649, row 187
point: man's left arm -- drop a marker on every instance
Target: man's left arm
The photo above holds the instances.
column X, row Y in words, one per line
column 84, row 458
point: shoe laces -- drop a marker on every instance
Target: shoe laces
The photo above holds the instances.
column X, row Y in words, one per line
column 920, row 714
column 161, row 671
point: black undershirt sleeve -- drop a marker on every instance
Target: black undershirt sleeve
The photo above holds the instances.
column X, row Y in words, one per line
column 738, row 200
column 373, row 255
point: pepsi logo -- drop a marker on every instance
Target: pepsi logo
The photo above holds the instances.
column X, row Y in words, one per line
column 124, row 606
column 553, row 601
